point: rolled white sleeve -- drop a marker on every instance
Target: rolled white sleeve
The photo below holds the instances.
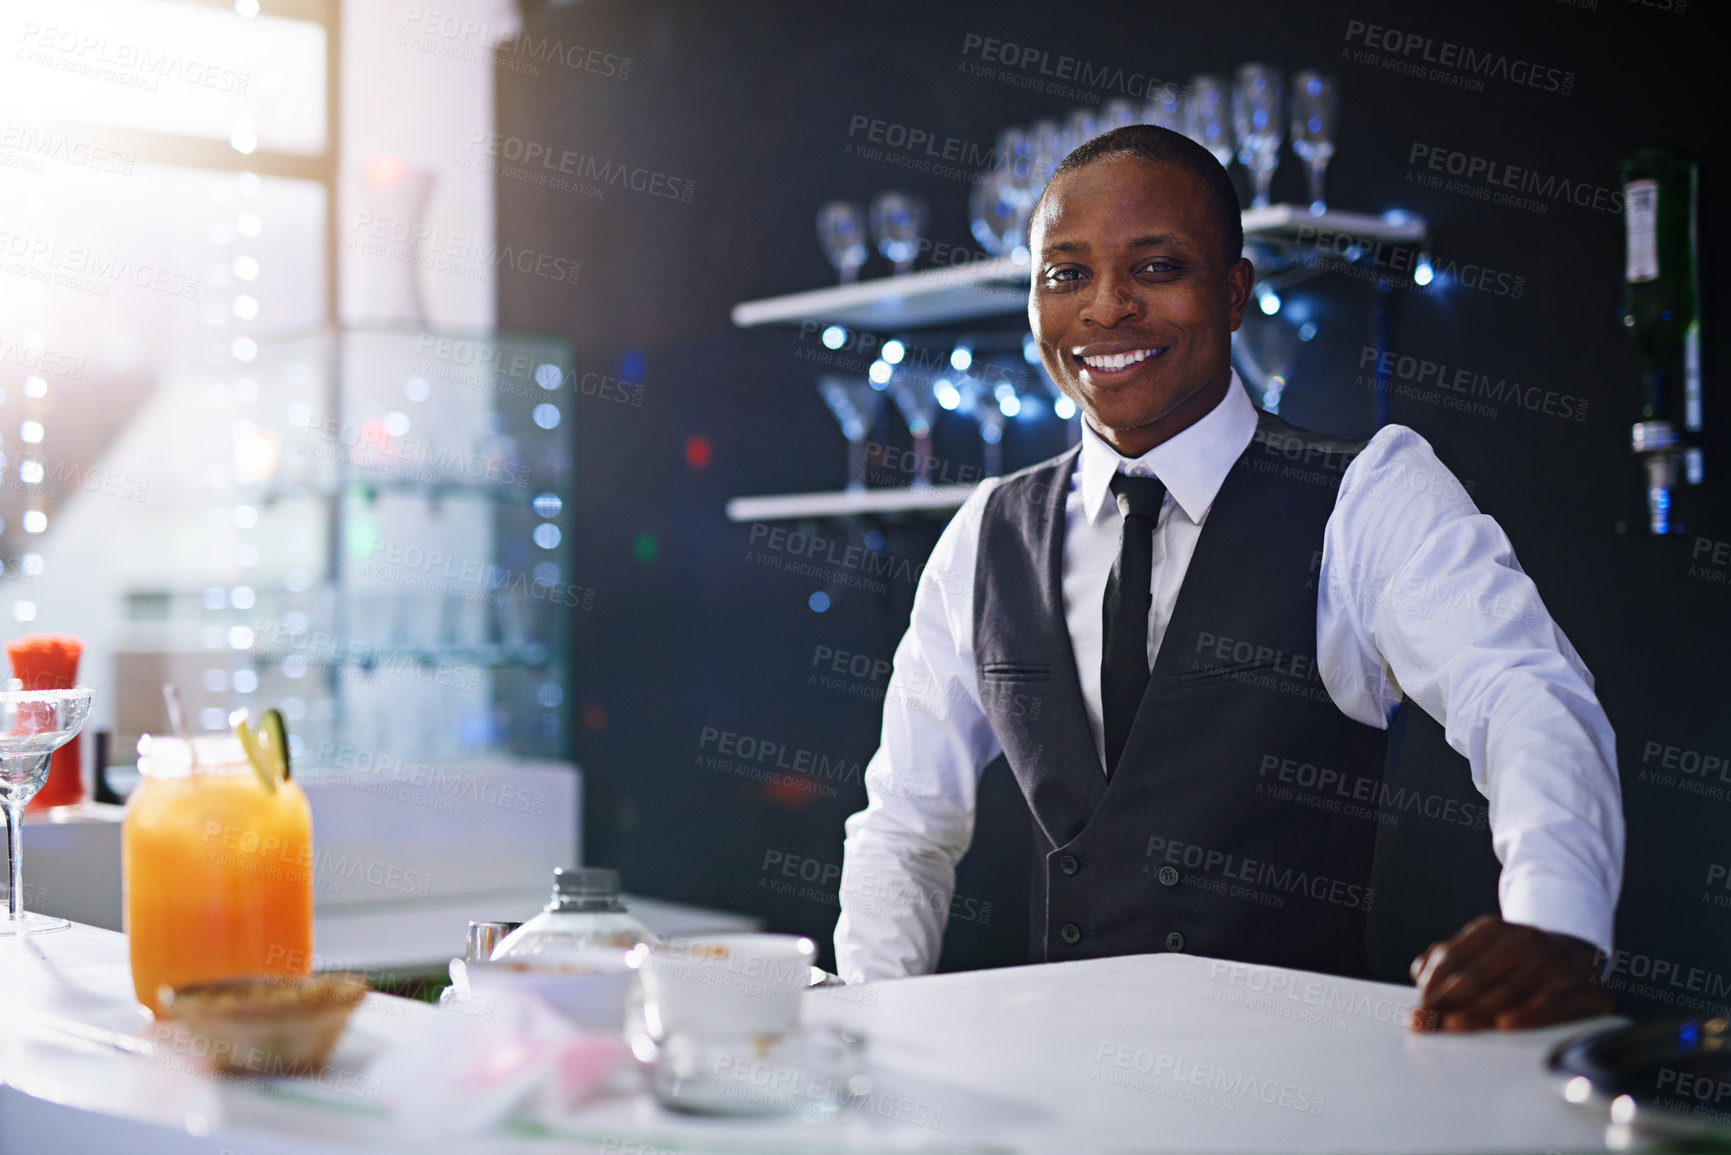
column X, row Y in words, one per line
column 899, row 861
column 1423, row 598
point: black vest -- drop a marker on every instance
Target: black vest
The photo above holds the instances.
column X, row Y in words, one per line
column 1241, row 820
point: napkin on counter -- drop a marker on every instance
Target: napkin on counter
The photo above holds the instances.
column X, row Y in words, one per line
column 483, row 1058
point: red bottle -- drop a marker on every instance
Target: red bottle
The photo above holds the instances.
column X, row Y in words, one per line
column 50, row 662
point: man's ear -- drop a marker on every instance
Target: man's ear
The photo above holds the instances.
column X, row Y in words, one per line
column 1239, row 278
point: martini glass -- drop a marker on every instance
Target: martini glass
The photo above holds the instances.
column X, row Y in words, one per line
column 912, row 393
column 1063, row 406
column 854, row 401
column 991, row 410
column 33, row 724
column 1264, row 349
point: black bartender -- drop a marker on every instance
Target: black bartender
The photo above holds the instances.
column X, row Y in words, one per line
column 1191, row 637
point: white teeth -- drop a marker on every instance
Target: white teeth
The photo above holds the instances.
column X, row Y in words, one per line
column 1119, row 360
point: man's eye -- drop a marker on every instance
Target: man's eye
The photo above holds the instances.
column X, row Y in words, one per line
column 1160, row 267
column 1064, row 275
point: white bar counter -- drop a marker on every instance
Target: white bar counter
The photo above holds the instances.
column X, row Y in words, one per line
column 1142, row 1053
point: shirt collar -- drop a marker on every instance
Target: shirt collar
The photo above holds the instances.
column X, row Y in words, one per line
column 1192, row 464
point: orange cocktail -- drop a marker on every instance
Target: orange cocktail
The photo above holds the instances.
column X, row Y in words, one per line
column 217, row 870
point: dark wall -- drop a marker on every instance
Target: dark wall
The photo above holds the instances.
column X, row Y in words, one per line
column 691, row 636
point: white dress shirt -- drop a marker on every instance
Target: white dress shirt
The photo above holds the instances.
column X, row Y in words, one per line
column 1419, row 596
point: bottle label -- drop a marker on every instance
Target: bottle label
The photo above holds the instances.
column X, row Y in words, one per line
column 1641, row 211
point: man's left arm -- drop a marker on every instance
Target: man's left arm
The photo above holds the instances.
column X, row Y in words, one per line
column 1423, row 587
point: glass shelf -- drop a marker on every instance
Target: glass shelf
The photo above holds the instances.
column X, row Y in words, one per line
column 997, row 287
column 937, row 500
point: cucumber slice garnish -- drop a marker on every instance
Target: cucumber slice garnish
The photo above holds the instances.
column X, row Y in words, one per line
column 274, row 735
column 263, row 762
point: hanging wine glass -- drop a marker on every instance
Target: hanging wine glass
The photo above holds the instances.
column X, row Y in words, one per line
column 1206, row 120
column 854, row 402
column 1315, row 110
column 897, row 220
column 841, row 230
column 1256, row 114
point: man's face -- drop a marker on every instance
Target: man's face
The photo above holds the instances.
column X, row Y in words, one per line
column 1133, row 303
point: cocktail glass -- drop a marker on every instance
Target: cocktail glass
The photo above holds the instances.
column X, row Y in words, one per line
column 912, row 393
column 995, row 401
column 854, row 402
column 33, row 724
column 1264, row 349
column 1063, row 406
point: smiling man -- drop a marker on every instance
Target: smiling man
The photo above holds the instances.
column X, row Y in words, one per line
column 1191, row 636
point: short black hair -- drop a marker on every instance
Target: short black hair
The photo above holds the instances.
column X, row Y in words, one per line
column 1163, row 146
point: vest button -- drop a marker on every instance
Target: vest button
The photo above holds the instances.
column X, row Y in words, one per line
column 1070, row 933
column 1068, row 864
column 1174, row 941
column 1168, row 876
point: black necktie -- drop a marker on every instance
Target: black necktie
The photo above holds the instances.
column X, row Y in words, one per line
column 1129, row 594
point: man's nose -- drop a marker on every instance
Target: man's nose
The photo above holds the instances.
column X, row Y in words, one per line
column 1111, row 299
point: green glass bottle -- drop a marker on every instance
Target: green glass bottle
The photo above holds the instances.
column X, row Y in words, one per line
column 1658, row 274
column 1659, row 315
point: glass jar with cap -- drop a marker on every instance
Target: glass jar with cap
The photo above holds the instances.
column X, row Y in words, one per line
column 216, row 869
column 585, row 911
